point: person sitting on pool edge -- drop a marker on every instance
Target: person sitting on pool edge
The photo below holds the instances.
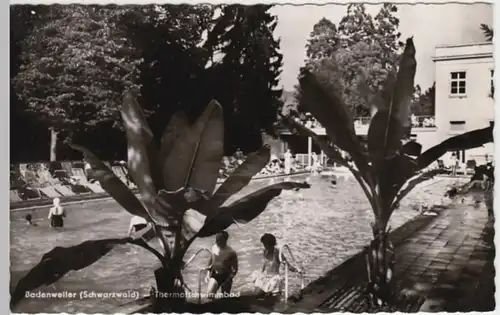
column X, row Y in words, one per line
column 57, row 214
column 224, row 266
column 268, row 280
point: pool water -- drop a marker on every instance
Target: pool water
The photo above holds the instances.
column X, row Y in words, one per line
column 322, row 225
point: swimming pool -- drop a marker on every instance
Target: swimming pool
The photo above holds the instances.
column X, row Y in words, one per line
column 322, row 225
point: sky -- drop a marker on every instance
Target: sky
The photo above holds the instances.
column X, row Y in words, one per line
column 431, row 25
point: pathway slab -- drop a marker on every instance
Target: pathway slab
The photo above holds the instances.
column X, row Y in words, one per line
column 446, row 263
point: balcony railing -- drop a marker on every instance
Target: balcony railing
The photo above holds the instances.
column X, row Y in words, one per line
column 416, row 121
column 423, row 121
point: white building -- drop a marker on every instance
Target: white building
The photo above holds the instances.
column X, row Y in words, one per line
column 464, row 94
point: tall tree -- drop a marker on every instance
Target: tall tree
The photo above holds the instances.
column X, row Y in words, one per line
column 365, row 50
column 323, row 40
column 25, row 135
column 169, row 39
column 75, row 66
column 250, row 67
column 423, row 104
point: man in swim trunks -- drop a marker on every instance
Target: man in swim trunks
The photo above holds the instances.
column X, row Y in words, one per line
column 224, row 266
column 57, row 214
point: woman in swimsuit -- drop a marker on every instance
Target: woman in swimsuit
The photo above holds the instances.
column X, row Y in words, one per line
column 224, row 266
column 268, row 281
column 57, row 214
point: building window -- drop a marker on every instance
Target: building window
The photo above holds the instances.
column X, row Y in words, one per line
column 492, row 83
column 457, row 86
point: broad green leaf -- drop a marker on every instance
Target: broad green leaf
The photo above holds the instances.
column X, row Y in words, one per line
column 137, row 122
column 330, row 151
column 392, row 175
column 245, row 209
column 412, row 148
column 185, row 198
column 412, row 183
column 112, row 184
column 392, row 119
column 138, row 160
column 238, row 179
column 60, row 260
column 329, row 109
column 134, row 119
column 465, row 141
column 177, row 127
column 196, row 156
column 155, row 165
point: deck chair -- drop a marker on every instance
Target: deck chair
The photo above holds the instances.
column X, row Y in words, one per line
column 80, row 175
column 50, row 192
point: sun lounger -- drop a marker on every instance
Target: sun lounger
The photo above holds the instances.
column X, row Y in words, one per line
column 95, row 187
column 64, row 190
column 50, row 192
column 80, row 175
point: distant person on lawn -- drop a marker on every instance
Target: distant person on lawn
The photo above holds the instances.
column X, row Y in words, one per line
column 57, row 214
column 224, row 266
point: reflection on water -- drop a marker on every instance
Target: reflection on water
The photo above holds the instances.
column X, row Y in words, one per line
column 322, row 225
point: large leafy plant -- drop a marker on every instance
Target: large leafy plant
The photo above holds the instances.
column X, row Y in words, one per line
column 176, row 178
column 389, row 166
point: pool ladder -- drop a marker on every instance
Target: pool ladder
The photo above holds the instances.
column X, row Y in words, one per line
column 281, row 257
column 200, row 271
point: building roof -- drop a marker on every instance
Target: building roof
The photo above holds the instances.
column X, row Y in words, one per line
column 464, row 45
column 464, row 51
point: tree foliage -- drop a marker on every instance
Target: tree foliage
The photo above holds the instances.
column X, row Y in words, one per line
column 75, row 65
column 424, row 103
column 249, row 65
column 77, row 60
column 357, row 56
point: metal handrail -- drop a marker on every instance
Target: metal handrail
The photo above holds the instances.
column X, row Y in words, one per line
column 281, row 258
column 201, row 269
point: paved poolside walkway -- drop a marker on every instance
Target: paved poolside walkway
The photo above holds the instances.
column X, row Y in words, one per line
column 443, row 263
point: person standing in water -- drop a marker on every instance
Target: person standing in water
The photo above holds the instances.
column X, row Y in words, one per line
column 224, row 266
column 57, row 214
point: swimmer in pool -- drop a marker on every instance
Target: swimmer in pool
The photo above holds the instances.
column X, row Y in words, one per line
column 57, row 214
column 224, row 266
column 29, row 219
